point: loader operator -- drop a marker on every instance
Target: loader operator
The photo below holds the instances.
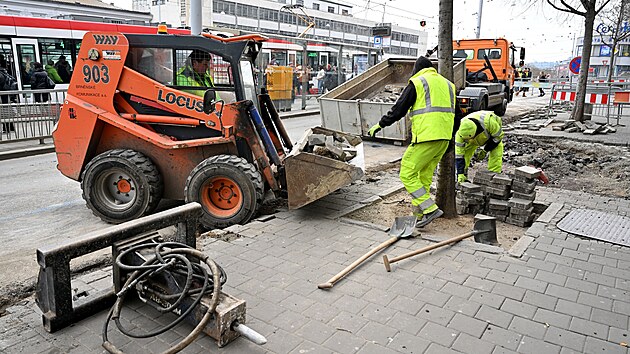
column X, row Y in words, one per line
column 196, row 72
column 430, row 100
column 481, row 128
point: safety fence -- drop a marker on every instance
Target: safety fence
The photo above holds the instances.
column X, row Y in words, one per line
column 535, row 83
column 29, row 114
column 607, row 100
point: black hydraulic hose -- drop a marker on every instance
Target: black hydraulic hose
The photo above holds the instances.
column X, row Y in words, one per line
column 163, row 260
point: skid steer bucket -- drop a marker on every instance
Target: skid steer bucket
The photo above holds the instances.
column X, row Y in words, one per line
column 311, row 176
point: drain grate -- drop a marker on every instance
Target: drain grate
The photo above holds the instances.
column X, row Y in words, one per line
column 598, row 225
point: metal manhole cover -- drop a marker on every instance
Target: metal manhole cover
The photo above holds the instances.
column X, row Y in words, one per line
column 598, row 225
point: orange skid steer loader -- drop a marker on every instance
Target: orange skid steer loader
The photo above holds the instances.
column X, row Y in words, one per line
column 149, row 117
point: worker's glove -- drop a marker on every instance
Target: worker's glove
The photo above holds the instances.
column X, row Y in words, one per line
column 461, row 178
column 481, row 154
column 375, row 129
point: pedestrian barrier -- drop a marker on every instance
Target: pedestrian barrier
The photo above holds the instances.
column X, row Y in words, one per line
column 25, row 116
column 607, row 100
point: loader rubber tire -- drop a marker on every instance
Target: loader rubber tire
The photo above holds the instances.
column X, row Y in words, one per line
column 121, row 185
column 229, row 188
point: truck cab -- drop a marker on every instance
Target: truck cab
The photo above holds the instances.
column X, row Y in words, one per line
column 490, row 73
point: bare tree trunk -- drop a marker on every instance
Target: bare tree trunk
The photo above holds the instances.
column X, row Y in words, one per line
column 445, row 197
column 589, row 20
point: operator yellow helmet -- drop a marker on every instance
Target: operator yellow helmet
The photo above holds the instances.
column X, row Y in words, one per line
column 467, row 129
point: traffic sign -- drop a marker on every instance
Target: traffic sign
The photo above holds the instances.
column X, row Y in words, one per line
column 378, row 41
column 574, row 66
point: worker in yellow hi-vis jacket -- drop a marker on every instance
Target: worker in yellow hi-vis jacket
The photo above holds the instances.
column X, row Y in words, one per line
column 430, row 100
column 481, row 128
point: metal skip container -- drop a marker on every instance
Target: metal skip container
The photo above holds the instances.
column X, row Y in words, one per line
column 350, row 109
column 311, row 176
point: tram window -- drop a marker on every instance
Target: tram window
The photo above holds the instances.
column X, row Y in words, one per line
column 156, row 63
column 56, row 56
column 6, row 56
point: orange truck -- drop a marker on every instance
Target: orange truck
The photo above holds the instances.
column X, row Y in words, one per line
column 137, row 127
column 490, row 65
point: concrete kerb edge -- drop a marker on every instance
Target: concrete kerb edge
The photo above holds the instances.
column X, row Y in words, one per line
column 297, row 114
column 14, row 154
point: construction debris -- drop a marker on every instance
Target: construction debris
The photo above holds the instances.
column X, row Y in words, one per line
column 587, row 127
column 389, row 94
column 334, row 147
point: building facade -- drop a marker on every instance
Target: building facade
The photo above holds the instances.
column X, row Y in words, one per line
column 84, row 10
column 601, row 55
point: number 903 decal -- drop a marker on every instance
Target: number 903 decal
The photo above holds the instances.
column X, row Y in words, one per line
column 95, row 73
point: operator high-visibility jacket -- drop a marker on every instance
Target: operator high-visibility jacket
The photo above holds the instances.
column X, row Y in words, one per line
column 186, row 76
column 433, row 112
column 489, row 134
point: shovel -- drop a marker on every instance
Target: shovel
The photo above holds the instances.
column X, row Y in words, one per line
column 402, row 227
column 484, row 231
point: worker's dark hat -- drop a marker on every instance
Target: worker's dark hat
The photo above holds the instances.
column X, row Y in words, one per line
column 199, row 55
column 422, row 63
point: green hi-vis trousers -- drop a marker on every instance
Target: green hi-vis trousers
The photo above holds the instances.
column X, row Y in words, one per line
column 416, row 173
column 495, row 157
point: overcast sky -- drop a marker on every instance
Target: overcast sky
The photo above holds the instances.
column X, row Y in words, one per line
column 545, row 34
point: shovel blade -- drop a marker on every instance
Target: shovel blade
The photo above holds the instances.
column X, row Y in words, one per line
column 403, row 226
column 486, row 230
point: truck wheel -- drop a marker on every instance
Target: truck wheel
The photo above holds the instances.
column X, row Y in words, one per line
column 121, row 185
column 229, row 188
column 500, row 109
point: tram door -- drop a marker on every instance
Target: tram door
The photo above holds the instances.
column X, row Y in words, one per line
column 26, row 52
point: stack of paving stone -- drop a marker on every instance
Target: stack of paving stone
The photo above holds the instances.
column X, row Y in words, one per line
column 498, row 192
column 470, row 199
column 523, row 196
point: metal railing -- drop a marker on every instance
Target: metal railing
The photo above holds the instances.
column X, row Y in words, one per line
column 606, row 100
column 29, row 114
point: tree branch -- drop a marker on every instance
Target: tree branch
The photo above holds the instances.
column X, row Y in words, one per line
column 571, row 11
column 602, row 7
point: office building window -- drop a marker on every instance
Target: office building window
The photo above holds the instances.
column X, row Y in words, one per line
column 344, row 12
column 299, row 2
column 331, row 9
column 315, row 6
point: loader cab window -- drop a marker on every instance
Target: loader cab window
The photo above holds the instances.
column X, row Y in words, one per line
column 197, row 68
column 156, row 63
column 492, row 53
column 464, row 53
column 249, row 84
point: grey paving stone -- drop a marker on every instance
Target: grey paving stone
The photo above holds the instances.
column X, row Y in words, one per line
column 522, row 270
column 528, row 327
column 377, row 333
column 344, row 342
column 599, row 278
column 589, row 328
column 569, row 271
column 573, row 309
column 494, row 316
column 548, row 248
column 536, row 346
column 531, row 284
column 406, row 323
column 347, row 322
column 406, row 304
column 501, row 350
column 457, row 289
column 452, row 275
column 621, row 306
column 512, row 292
column 594, row 345
column 404, row 342
column 433, row 297
column 469, row 344
column 502, row 277
column 378, row 313
column 492, row 300
column 590, row 248
column 435, row 333
column 496, row 265
column 540, row 264
column 618, row 335
column 540, row 300
column 468, row 325
column 430, row 282
column 439, row 349
column 565, row 338
column 588, row 266
column 575, row 254
column 581, row 285
column 375, row 348
column 478, row 284
column 550, row 277
column 610, row 318
column 518, row 308
column 569, row 244
column 501, row 337
column 562, row 260
column 562, row 292
column 461, row 305
column 613, row 293
column 350, row 303
column 552, row 318
column 304, row 347
column 436, row 314
column 611, row 262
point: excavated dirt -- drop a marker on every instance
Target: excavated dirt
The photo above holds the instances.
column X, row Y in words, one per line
column 398, row 204
column 578, row 166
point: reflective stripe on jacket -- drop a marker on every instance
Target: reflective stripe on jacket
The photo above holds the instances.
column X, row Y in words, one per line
column 491, row 125
column 186, row 76
column 433, row 113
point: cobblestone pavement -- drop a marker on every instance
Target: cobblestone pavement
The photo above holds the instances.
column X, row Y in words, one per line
column 564, row 295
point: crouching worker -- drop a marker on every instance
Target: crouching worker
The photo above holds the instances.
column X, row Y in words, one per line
column 479, row 129
column 429, row 98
